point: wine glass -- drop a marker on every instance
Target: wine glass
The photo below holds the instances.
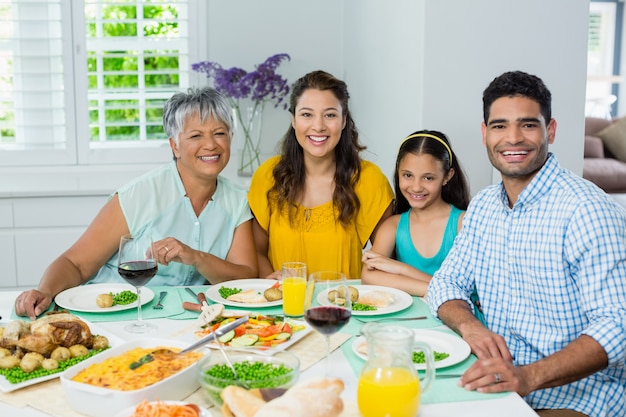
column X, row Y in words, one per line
column 136, row 264
column 327, row 305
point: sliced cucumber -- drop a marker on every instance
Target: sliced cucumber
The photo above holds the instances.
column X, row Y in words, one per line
column 226, row 337
column 244, row 340
column 283, row 336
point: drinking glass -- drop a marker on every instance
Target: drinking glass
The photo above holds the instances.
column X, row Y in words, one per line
column 327, row 304
column 137, row 266
column 294, row 288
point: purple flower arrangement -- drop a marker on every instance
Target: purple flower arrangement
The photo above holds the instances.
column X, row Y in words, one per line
column 262, row 84
column 259, row 86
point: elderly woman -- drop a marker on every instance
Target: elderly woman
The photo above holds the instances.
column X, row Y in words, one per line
column 200, row 221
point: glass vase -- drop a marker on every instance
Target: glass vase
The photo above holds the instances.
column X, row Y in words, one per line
column 248, row 126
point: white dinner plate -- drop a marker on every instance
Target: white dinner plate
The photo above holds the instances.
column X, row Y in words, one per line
column 438, row 341
column 295, row 337
column 257, row 284
column 402, row 300
column 6, row 386
column 128, row 412
column 83, row 297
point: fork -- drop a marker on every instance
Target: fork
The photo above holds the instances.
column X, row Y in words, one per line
column 158, row 305
column 390, row 319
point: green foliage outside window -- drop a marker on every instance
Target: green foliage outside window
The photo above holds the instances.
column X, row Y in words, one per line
column 119, row 71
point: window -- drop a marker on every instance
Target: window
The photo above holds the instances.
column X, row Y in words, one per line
column 84, row 81
column 603, row 57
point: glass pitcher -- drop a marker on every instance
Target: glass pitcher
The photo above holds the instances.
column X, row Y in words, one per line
column 389, row 385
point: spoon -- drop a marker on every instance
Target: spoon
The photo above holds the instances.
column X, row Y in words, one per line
column 212, row 336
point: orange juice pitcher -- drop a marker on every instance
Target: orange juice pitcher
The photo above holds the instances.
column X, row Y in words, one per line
column 389, row 385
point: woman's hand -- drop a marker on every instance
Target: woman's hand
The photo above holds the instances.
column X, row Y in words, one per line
column 172, row 250
column 32, row 303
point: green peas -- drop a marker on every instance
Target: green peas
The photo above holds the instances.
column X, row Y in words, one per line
column 226, row 292
column 418, row 357
column 256, row 374
column 16, row 375
column 363, row 307
column 123, row 298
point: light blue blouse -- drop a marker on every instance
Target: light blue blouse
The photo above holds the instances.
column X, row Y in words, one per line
column 156, row 203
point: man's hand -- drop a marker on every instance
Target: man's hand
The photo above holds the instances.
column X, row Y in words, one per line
column 486, row 344
column 495, row 374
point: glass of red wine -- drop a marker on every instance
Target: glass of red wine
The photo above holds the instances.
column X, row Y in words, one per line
column 136, row 264
column 327, row 305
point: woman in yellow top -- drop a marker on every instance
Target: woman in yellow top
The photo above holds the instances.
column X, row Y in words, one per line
column 318, row 202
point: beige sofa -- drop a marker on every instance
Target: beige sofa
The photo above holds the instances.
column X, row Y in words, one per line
column 600, row 166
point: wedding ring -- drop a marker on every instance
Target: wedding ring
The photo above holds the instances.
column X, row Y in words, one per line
column 498, row 379
column 166, row 249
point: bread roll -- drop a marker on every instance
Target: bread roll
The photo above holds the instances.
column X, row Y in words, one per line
column 316, row 397
column 303, row 402
column 331, row 384
column 239, row 402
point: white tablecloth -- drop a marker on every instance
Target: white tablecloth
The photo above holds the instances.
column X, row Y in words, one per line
column 511, row 405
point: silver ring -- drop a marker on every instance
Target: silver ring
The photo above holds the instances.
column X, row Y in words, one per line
column 166, row 249
column 498, row 379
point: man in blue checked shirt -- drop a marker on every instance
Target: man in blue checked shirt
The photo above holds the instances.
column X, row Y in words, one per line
column 547, row 253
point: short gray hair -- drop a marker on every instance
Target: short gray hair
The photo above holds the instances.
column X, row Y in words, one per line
column 206, row 102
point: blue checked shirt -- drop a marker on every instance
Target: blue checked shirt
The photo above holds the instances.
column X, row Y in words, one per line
column 547, row 271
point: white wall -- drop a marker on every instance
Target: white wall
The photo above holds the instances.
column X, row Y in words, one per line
column 414, row 64
column 440, row 55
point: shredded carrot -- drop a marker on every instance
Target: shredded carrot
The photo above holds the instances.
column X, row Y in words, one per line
column 161, row 409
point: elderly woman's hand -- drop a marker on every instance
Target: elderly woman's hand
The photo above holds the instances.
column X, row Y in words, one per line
column 170, row 249
column 32, row 303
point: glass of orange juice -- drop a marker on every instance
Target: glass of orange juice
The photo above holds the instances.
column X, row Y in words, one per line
column 390, row 374
column 294, row 287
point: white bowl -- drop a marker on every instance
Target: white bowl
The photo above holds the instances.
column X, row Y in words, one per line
column 103, row 402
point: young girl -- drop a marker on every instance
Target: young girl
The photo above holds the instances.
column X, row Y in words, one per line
column 431, row 198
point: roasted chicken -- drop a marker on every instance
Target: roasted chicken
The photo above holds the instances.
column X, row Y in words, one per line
column 47, row 333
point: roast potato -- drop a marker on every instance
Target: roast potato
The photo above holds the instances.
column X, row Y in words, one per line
column 354, row 293
column 61, row 354
column 104, row 300
column 49, row 364
column 78, row 350
column 100, row 342
column 273, row 294
column 9, row 362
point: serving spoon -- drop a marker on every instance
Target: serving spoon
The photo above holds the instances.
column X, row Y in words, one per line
column 206, row 339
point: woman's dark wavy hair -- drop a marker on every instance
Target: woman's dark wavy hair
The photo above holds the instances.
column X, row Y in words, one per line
column 289, row 173
column 456, row 191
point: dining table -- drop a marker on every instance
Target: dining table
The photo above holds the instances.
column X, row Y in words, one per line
column 443, row 398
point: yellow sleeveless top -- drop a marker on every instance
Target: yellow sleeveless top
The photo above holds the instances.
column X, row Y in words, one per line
column 315, row 237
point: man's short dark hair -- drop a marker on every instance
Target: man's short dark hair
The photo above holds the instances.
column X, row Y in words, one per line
column 518, row 84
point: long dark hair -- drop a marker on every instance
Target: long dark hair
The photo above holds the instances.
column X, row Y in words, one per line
column 432, row 142
column 289, row 173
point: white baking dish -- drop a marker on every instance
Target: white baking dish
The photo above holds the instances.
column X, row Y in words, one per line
column 102, row 402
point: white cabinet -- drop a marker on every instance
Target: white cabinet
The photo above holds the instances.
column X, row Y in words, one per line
column 35, row 230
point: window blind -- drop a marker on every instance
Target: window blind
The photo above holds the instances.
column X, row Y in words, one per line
column 137, row 57
column 32, row 94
